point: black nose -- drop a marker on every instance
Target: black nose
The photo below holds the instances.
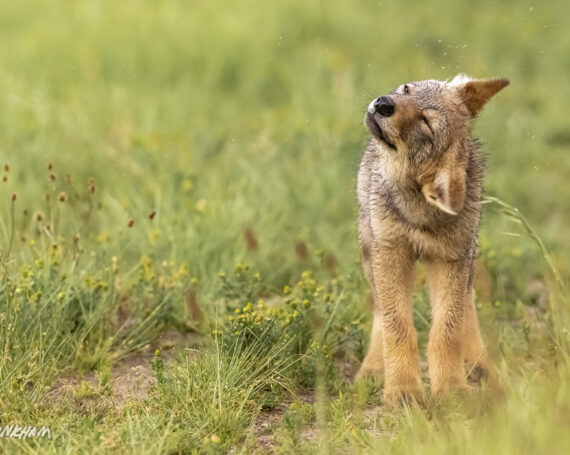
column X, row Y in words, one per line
column 384, row 106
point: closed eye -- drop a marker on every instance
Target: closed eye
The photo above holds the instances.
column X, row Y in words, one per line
column 427, row 124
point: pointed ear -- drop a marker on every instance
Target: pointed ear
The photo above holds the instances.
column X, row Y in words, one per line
column 447, row 190
column 476, row 92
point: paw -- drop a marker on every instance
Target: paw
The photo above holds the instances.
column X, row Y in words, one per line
column 476, row 373
column 453, row 389
column 482, row 372
column 395, row 396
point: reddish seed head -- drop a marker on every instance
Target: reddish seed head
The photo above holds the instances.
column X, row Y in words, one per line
column 52, row 177
column 6, row 168
column 92, row 189
column 5, row 179
column 13, row 196
column 50, row 166
column 152, row 215
column 39, row 217
column 131, row 223
column 62, row 197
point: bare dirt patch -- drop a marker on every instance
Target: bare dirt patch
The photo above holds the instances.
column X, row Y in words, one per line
column 130, row 378
column 268, row 421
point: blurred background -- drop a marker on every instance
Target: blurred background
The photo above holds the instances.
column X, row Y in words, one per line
column 150, row 146
column 223, row 116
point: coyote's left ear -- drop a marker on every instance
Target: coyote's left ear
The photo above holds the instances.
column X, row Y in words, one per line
column 476, row 92
column 447, row 190
column 447, row 187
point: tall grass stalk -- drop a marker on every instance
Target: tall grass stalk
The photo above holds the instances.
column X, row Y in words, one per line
column 515, row 215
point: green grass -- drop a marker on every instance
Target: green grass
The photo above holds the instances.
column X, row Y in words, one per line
column 174, row 161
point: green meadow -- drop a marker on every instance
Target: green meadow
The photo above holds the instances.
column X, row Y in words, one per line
column 179, row 265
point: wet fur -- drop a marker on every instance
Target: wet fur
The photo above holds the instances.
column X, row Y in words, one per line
column 419, row 191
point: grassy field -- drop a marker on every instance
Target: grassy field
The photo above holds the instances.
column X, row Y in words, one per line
column 178, row 246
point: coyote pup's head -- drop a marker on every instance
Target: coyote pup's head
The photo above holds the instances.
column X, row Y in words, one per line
column 426, row 125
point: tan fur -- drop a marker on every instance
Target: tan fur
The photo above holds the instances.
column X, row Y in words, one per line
column 419, row 191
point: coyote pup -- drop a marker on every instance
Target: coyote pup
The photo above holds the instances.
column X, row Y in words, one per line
column 419, row 191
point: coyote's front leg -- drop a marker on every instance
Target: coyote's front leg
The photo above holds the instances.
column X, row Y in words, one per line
column 448, row 287
column 392, row 266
